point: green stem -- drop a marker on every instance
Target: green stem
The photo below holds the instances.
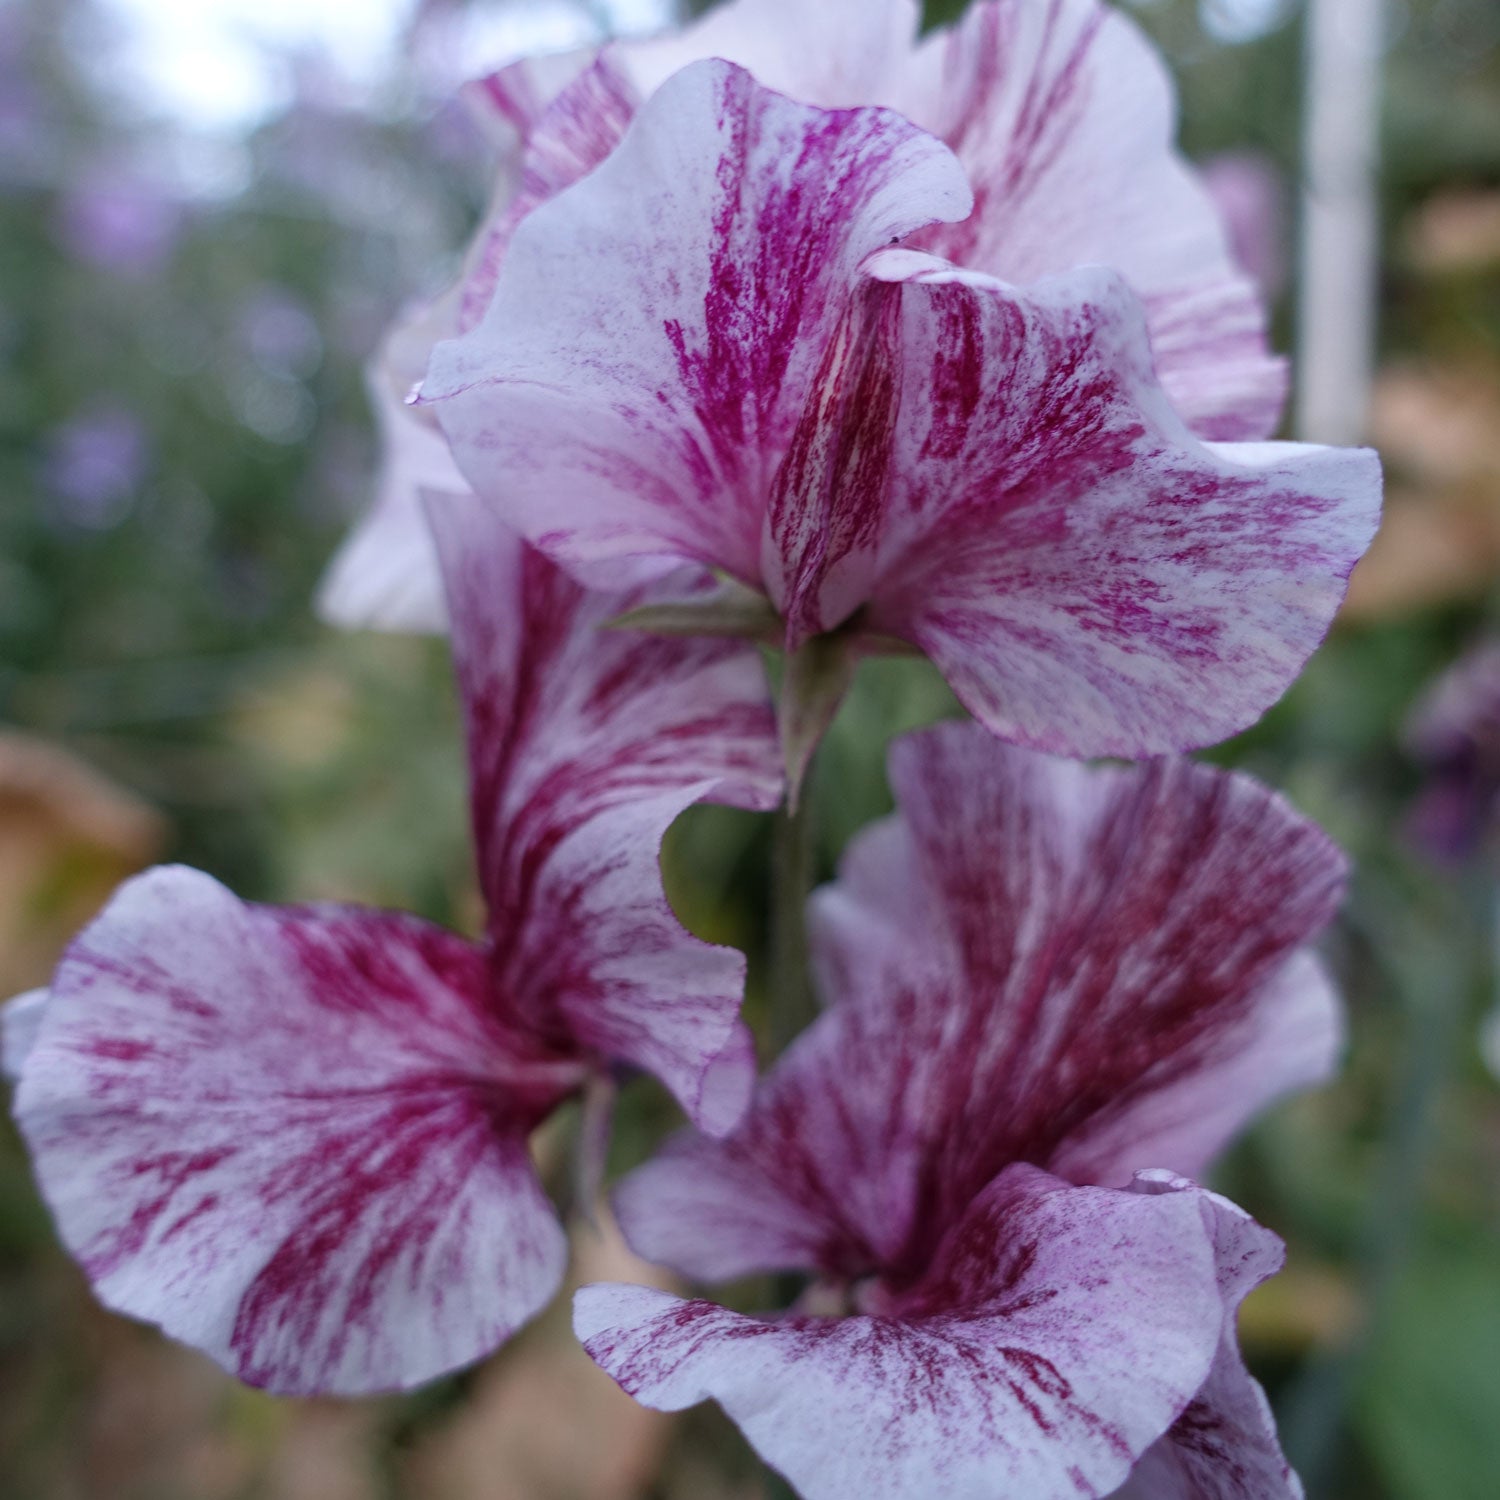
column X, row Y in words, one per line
column 776, row 1488
column 791, row 997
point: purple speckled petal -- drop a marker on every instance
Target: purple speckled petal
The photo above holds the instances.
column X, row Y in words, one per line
column 1090, row 970
column 584, row 744
column 1090, row 578
column 293, row 1137
column 1063, row 115
column 385, row 575
column 1224, row 1445
column 580, row 127
column 1059, row 1333
column 656, row 329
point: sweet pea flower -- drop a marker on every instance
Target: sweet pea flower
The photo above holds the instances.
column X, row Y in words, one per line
column 1052, row 991
column 1453, row 734
column 715, row 350
column 1060, row 112
column 296, row 1136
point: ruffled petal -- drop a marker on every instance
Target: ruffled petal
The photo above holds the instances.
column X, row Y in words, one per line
column 657, row 328
column 1063, row 115
column 385, row 574
column 1061, row 1331
column 1090, row 578
column 584, row 744
column 292, row 1137
column 1224, row 1445
column 1092, row 971
column 579, row 127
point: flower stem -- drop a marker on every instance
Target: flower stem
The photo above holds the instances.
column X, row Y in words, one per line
column 791, row 996
column 776, row 1488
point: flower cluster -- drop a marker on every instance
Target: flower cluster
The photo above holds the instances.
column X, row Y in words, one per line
column 790, row 331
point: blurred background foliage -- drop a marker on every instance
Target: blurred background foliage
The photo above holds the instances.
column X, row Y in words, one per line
column 186, row 302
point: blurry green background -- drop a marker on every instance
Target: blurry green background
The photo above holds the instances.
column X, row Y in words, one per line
column 193, row 267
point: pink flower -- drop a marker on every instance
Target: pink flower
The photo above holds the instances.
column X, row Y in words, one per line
column 296, row 1137
column 1060, row 112
column 1040, row 980
column 713, row 350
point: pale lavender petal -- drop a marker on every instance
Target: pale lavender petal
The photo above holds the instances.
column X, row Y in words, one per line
column 1090, row 578
column 726, row 1088
column 1224, row 1445
column 292, row 1137
column 839, row 54
column 656, row 328
column 581, row 125
column 1063, row 115
column 1092, row 971
column 585, row 743
column 512, row 100
column 1061, row 1331
column 385, row 574
column 20, row 1021
column 1289, row 1037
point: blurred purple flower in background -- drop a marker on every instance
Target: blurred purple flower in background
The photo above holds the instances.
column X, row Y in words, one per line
column 1454, row 735
column 1250, row 194
column 94, row 463
column 280, row 334
column 117, row 220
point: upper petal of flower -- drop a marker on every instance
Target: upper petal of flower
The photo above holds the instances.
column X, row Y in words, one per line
column 1060, row 112
column 839, row 55
column 293, row 1137
column 1063, row 115
column 385, row 574
column 1061, row 1331
column 656, row 328
column 1091, row 971
column 579, row 127
column 1090, row 578
column 584, row 744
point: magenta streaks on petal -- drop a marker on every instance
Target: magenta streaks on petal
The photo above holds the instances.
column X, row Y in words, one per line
column 1089, row 577
column 657, row 328
column 584, row 744
column 828, row 498
column 1063, row 116
column 1224, row 1445
column 294, row 1138
column 1060, row 1332
column 571, row 136
column 1090, row 971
